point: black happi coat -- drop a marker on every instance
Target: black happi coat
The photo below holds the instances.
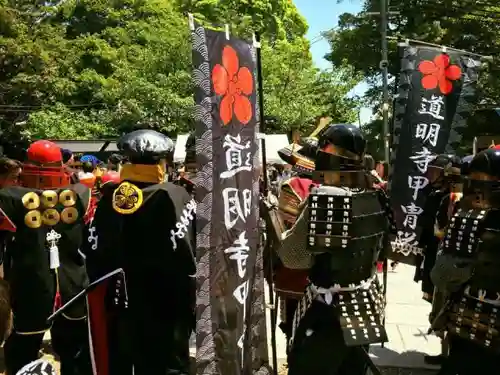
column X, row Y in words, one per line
column 33, row 283
column 159, row 266
column 141, row 243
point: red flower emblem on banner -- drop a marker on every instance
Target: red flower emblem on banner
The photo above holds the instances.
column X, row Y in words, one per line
column 235, row 84
column 439, row 73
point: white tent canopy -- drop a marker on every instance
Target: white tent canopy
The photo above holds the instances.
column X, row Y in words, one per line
column 274, row 142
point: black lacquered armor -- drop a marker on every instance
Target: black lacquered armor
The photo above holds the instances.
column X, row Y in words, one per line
column 462, row 236
column 345, row 230
column 472, row 240
column 348, row 225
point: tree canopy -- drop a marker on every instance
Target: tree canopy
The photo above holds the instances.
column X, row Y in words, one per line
column 463, row 24
column 98, row 68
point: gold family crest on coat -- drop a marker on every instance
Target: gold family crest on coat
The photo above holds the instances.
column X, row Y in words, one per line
column 43, row 211
column 127, row 198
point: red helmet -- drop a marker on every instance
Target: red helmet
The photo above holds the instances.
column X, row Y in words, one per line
column 44, row 153
column 43, row 168
column 110, row 176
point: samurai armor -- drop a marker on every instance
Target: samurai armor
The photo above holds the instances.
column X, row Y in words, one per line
column 468, row 270
column 293, row 193
column 349, row 226
column 291, row 283
column 473, row 319
column 361, row 314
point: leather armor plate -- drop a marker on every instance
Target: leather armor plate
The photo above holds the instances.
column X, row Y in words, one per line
column 462, row 236
column 475, row 320
column 361, row 315
column 338, row 221
column 345, row 230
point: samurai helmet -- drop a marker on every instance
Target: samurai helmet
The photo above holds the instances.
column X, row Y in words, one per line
column 44, row 168
column 301, row 154
column 444, row 168
column 486, row 165
column 341, row 147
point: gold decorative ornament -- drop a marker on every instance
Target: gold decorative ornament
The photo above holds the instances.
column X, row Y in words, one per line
column 51, row 217
column 127, row 198
column 49, row 198
column 69, row 215
column 33, row 219
column 31, row 200
column 67, row 198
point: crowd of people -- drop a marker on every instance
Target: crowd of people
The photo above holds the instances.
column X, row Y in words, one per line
column 333, row 225
column 68, row 224
column 104, row 256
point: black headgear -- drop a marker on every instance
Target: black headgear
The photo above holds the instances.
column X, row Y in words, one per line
column 340, row 147
column 301, row 156
column 487, row 162
column 146, row 146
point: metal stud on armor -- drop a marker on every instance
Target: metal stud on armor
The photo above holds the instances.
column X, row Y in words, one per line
column 341, row 228
column 467, row 270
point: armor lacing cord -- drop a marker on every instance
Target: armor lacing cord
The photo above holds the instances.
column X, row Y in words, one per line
column 329, row 292
column 481, row 297
column 313, row 292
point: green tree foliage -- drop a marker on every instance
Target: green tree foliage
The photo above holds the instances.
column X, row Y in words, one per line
column 97, row 68
column 464, row 24
column 114, row 63
column 273, row 19
column 298, row 94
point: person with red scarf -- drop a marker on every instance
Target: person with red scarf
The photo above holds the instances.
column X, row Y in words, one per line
column 46, row 270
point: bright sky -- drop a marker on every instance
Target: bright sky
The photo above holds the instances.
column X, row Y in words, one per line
column 323, row 15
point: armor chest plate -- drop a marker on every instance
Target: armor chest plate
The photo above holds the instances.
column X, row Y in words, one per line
column 341, row 219
column 462, row 237
column 345, row 229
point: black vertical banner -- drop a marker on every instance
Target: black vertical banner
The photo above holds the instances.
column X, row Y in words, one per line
column 437, row 91
column 230, row 295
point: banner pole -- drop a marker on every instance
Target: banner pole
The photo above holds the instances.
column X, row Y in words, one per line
column 384, row 65
column 267, row 249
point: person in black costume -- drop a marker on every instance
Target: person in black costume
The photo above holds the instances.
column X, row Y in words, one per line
column 145, row 226
column 46, row 216
column 338, row 237
column 439, row 180
column 444, row 174
column 466, row 273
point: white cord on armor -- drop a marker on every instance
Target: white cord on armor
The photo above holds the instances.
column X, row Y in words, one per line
column 328, row 293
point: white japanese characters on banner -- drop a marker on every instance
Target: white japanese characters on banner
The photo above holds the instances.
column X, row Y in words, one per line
column 426, row 136
column 237, row 208
column 436, row 92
